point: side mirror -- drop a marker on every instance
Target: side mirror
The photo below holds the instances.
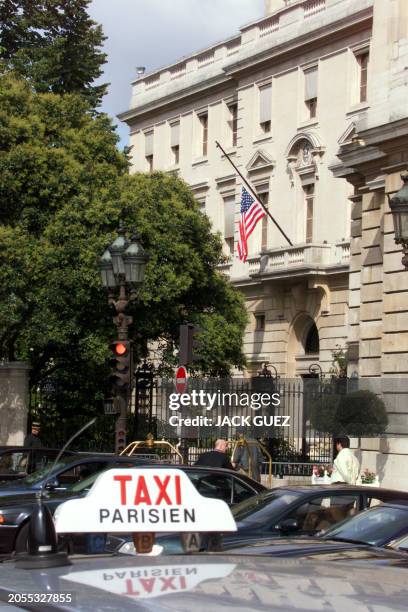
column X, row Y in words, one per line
column 289, row 524
column 52, row 484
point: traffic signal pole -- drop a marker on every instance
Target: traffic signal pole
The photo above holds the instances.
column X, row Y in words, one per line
column 122, row 391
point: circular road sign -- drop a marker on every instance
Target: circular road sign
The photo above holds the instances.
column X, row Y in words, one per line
column 181, row 379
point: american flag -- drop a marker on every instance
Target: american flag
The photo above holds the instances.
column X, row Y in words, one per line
column 251, row 213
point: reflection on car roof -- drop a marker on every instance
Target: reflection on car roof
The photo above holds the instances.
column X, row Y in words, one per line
column 228, row 582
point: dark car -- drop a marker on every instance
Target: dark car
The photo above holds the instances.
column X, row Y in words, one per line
column 361, row 536
column 15, row 512
column 284, row 511
column 18, row 461
column 68, row 470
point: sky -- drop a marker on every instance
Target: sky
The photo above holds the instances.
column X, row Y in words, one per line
column 153, row 33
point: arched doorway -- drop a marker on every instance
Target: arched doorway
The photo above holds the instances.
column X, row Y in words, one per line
column 303, row 345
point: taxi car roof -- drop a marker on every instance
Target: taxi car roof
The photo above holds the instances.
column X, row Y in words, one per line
column 181, row 584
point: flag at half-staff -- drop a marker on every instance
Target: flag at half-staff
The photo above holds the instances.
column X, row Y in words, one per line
column 251, row 212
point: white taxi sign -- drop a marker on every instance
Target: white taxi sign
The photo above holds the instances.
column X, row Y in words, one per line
column 143, row 500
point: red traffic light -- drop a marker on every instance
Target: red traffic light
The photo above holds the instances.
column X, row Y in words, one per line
column 120, row 348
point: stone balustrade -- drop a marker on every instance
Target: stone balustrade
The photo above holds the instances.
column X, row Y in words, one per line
column 304, row 255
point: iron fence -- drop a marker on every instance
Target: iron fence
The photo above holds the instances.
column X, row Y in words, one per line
column 294, row 448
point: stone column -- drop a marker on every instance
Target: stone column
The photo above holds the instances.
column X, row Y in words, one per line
column 14, row 402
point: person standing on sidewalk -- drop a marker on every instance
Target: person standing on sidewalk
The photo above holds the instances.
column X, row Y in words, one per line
column 217, row 457
column 32, row 440
column 346, row 467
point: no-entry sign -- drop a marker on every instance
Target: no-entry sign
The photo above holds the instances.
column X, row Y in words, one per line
column 181, row 380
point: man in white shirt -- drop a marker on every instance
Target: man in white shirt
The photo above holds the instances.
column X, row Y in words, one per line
column 346, row 466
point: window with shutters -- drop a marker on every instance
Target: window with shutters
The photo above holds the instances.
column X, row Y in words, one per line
column 308, row 191
column 229, row 223
column 233, row 123
column 310, row 77
column 362, row 62
column 149, row 150
column 263, row 196
column 203, row 119
column 265, row 108
column 175, row 141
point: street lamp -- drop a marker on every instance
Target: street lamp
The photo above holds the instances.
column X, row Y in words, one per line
column 122, row 268
column 399, row 209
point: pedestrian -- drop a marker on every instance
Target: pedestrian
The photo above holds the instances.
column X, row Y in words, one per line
column 248, row 458
column 217, row 457
column 346, row 467
column 32, row 440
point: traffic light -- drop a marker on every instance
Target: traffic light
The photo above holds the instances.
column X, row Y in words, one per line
column 120, row 442
column 121, row 370
column 188, row 344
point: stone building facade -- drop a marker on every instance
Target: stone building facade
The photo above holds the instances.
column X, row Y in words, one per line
column 311, row 103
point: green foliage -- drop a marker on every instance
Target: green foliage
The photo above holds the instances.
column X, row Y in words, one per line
column 54, row 44
column 339, row 362
column 323, row 411
column 357, row 414
column 361, row 413
column 64, row 187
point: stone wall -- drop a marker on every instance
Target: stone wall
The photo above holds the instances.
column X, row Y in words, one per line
column 14, row 398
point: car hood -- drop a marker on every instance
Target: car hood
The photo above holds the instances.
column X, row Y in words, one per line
column 224, row 582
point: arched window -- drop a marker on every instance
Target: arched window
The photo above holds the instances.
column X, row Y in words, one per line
column 312, row 341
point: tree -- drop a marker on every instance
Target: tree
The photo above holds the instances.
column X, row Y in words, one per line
column 54, row 44
column 64, row 187
column 359, row 413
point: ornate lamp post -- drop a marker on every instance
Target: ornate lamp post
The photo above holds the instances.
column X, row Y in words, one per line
column 399, row 209
column 266, row 372
column 122, row 268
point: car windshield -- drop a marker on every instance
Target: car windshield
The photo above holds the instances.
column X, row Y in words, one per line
column 258, row 509
column 38, row 475
column 376, row 527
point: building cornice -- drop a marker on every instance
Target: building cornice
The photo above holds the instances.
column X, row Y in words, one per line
column 219, row 82
column 230, row 72
column 330, row 32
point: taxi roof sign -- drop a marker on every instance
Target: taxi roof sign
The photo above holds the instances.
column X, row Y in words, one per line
column 143, row 500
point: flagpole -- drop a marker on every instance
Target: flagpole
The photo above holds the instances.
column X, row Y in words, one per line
column 252, row 190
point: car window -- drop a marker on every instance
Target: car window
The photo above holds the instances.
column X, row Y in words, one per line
column 376, row 526
column 242, row 491
column 218, row 486
column 321, row 512
column 80, row 472
column 86, row 483
column 42, row 458
column 14, row 462
column 372, row 501
column 38, row 475
column 261, row 510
